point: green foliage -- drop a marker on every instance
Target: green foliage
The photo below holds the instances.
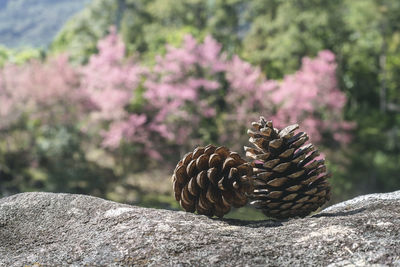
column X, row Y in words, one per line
column 79, row 36
column 49, row 159
column 143, row 24
column 147, row 25
column 369, row 72
column 19, row 56
column 282, row 32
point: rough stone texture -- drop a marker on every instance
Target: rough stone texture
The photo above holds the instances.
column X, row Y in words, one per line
column 63, row 229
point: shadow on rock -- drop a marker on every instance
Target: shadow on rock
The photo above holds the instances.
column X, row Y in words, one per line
column 253, row 224
column 340, row 213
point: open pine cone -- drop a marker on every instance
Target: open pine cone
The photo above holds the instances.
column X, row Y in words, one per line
column 210, row 180
column 288, row 181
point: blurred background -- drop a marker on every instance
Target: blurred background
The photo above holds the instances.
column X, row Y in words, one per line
column 103, row 97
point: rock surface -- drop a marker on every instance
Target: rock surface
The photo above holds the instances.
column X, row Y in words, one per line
column 63, row 229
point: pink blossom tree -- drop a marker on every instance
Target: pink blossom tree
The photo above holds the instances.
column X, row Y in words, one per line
column 194, row 94
column 197, row 83
column 311, row 97
column 248, row 97
column 44, row 91
column 182, row 90
column 41, row 108
column 111, row 82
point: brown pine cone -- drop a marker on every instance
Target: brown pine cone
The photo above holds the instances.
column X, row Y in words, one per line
column 210, row 180
column 289, row 182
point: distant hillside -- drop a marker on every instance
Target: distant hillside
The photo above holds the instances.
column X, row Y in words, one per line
column 34, row 22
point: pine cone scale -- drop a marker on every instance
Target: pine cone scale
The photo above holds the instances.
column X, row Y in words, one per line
column 193, row 187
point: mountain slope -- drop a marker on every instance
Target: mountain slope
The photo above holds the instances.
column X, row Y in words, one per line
column 34, row 22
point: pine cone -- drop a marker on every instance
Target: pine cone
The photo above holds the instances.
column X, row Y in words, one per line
column 288, row 182
column 210, row 180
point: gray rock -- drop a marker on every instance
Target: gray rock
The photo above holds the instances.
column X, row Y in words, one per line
column 63, row 229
